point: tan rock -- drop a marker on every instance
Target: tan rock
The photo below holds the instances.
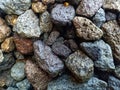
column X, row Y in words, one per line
column 111, row 35
column 86, row 29
column 48, row 1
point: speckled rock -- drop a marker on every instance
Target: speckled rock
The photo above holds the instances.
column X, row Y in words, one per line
column 101, row 53
column 48, row 61
column 112, row 36
column 27, row 25
column 15, row 7
column 48, row 1
column 110, row 16
column 117, row 71
column 23, row 85
column 8, row 45
column 62, row 15
column 65, row 83
column 45, row 22
column 88, row 8
column 12, row 88
column 37, row 77
column 86, row 29
column 80, row 65
column 18, row 55
column 61, row 49
column 4, row 30
column 1, row 56
column 17, row 71
column 99, row 17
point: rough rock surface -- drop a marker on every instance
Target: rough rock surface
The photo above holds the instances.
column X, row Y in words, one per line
column 101, row 53
column 89, row 7
column 117, row 71
column 112, row 36
column 27, row 25
column 46, row 59
column 80, row 65
column 86, row 29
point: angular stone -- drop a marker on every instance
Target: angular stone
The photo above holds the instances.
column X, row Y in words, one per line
column 88, row 8
column 80, row 65
column 48, row 61
column 27, row 25
column 111, row 31
column 117, row 71
column 86, row 29
column 36, row 76
column 101, row 53
column 1, row 56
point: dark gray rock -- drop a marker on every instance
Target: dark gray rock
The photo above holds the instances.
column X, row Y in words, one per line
column 110, row 16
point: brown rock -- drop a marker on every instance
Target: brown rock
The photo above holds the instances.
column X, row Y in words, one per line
column 36, row 76
column 48, row 1
column 111, row 35
column 89, row 7
column 86, row 29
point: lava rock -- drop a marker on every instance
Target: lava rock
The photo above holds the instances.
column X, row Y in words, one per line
column 101, row 53
column 17, row 71
column 48, row 61
column 110, row 16
column 80, row 65
column 12, row 88
column 45, row 22
column 86, row 29
column 1, row 56
column 15, row 6
column 36, row 76
column 27, row 25
column 62, row 15
column 99, row 17
column 88, row 8
column 111, row 35
column 117, row 71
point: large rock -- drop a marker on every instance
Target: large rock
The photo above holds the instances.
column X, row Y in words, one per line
column 101, row 53
column 80, row 65
column 86, row 29
column 112, row 36
column 65, row 83
column 15, row 6
column 89, row 7
column 27, row 25
column 48, row 61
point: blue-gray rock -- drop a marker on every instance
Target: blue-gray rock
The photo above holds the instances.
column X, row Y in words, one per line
column 101, row 53
column 99, row 17
column 65, row 83
column 12, row 88
column 110, row 16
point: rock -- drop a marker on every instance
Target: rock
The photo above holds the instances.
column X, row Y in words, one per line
column 23, row 85
column 7, row 62
column 86, row 29
column 76, row 2
column 114, row 83
column 101, row 53
column 17, row 71
column 27, row 25
column 61, row 49
column 65, row 83
column 4, row 30
column 38, row 7
column 23, row 45
column 110, row 16
column 112, row 36
column 45, row 22
column 1, row 56
column 8, row 45
column 37, row 77
column 52, row 37
column 99, row 17
column 18, row 55
column 80, row 65
column 15, row 7
column 48, row 1
column 62, row 15
column 117, row 71
column 46, row 59
column 88, row 8
column 12, row 88
column 111, row 5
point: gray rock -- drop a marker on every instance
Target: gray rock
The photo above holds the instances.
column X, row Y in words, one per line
column 113, row 83
column 101, row 53
column 65, row 83
column 23, row 85
column 46, row 59
column 117, row 71
column 27, row 25
column 15, row 6
column 62, row 15
column 80, row 65
column 99, row 17
column 110, row 16
column 12, row 88
column 61, row 49
column 17, row 71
